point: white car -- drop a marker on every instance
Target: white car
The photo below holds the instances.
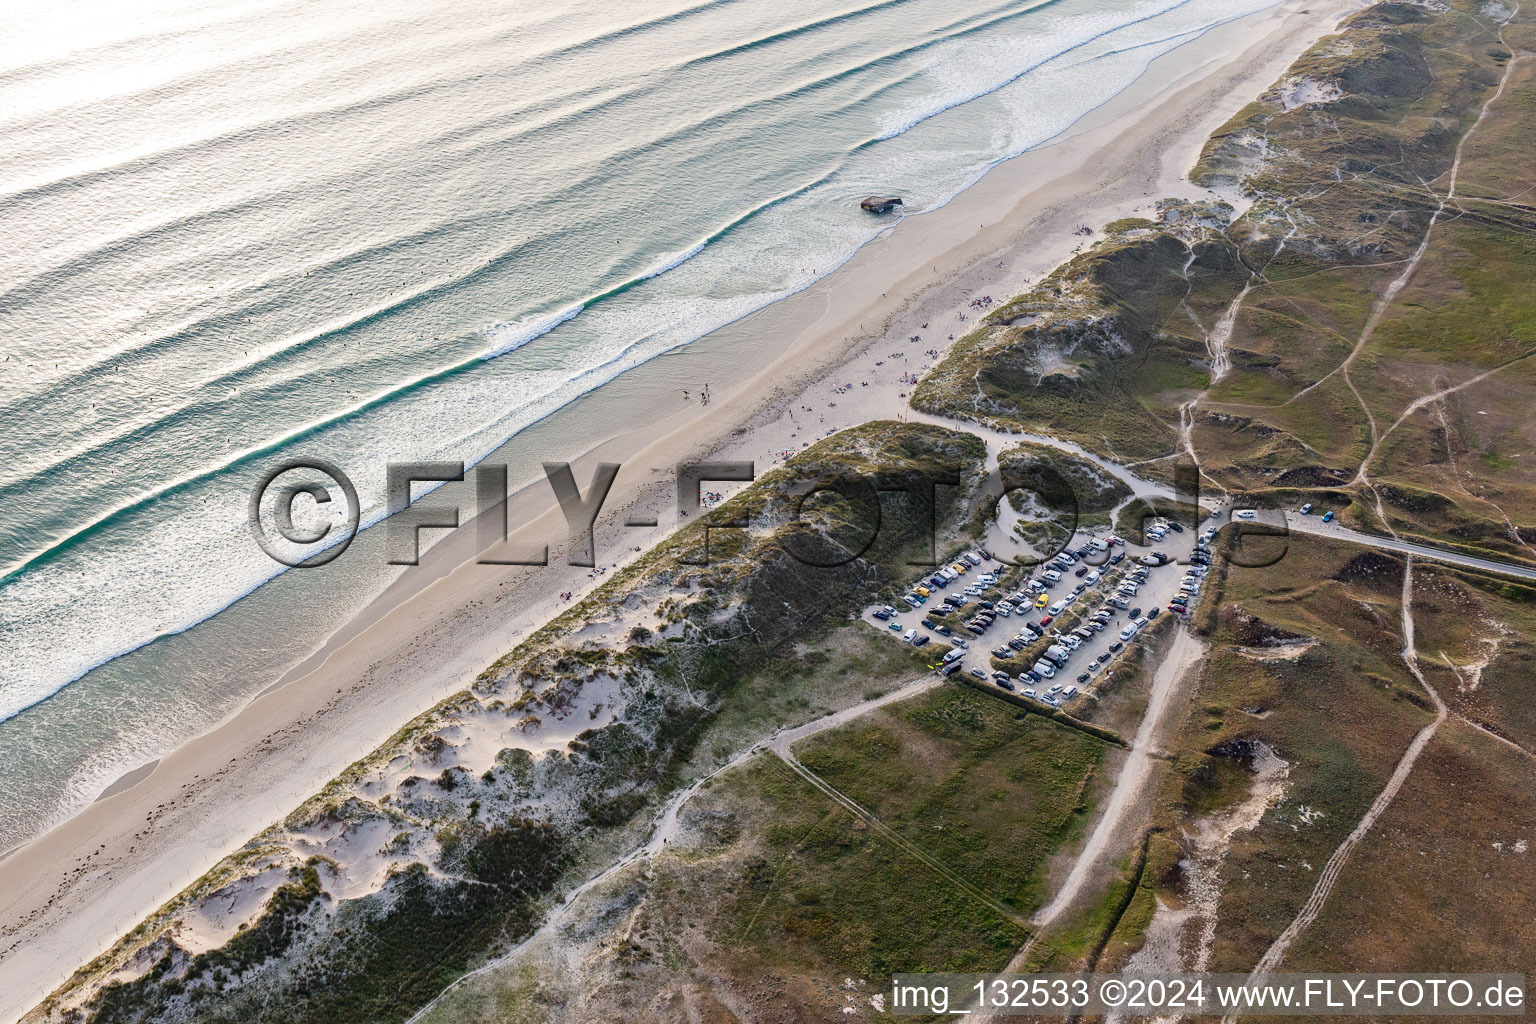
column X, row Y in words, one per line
column 1245, row 513
column 1128, row 632
column 1092, row 577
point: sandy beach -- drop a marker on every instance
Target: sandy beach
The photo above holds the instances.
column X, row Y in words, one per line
column 839, row 353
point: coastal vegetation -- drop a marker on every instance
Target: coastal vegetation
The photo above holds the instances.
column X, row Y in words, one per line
column 1350, row 327
column 1345, row 319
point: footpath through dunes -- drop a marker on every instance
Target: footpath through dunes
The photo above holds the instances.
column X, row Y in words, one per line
column 1324, row 328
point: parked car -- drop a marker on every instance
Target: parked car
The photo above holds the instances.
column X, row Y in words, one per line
column 1083, row 678
column 1245, row 513
column 979, row 674
column 1047, row 620
column 1153, row 613
column 1306, row 509
column 1328, row 516
column 1082, row 570
column 882, row 614
column 1128, row 632
column 1135, row 613
column 1103, row 658
column 943, row 630
column 926, row 623
column 1042, row 600
column 1117, row 558
column 910, row 635
column 1115, row 647
column 1002, row 652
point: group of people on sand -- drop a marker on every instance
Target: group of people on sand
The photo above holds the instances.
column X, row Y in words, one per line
column 703, row 395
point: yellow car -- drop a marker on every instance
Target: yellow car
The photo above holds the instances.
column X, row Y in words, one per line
column 922, row 591
column 1042, row 600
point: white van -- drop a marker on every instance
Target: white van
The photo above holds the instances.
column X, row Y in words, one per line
column 911, row 634
column 1245, row 513
column 1128, row 632
column 1051, row 575
column 1057, row 607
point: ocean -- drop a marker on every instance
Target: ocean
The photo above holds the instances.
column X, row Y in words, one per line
column 235, row 234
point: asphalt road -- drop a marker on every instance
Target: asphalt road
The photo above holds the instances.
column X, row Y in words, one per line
column 1298, row 523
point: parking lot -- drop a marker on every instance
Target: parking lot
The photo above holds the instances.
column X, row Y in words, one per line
column 1077, row 589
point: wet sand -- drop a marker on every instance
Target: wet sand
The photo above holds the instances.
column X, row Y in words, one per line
column 70, row 894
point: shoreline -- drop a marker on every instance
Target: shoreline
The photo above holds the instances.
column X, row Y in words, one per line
column 435, row 628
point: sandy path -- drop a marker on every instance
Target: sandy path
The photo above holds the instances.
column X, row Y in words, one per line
column 666, row 828
column 1113, row 827
column 1331, row 871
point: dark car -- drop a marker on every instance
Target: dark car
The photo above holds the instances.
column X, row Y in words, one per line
column 1117, row 558
column 1135, row 613
column 988, row 605
column 1103, row 659
column 1031, row 675
column 1115, row 646
column 1017, row 644
column 1082, row 570
column 943, row 630
column 1083, row 678
column 1152, row 613
column 919, row 640
column 1002, row 652
column 882, row 614
column 974, row 629
column 926, row 623
column 1175, row 527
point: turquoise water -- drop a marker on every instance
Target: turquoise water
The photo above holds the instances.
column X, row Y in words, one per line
column 238, row 233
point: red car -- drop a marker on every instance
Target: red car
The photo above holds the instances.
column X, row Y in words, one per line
column 1047, row 620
